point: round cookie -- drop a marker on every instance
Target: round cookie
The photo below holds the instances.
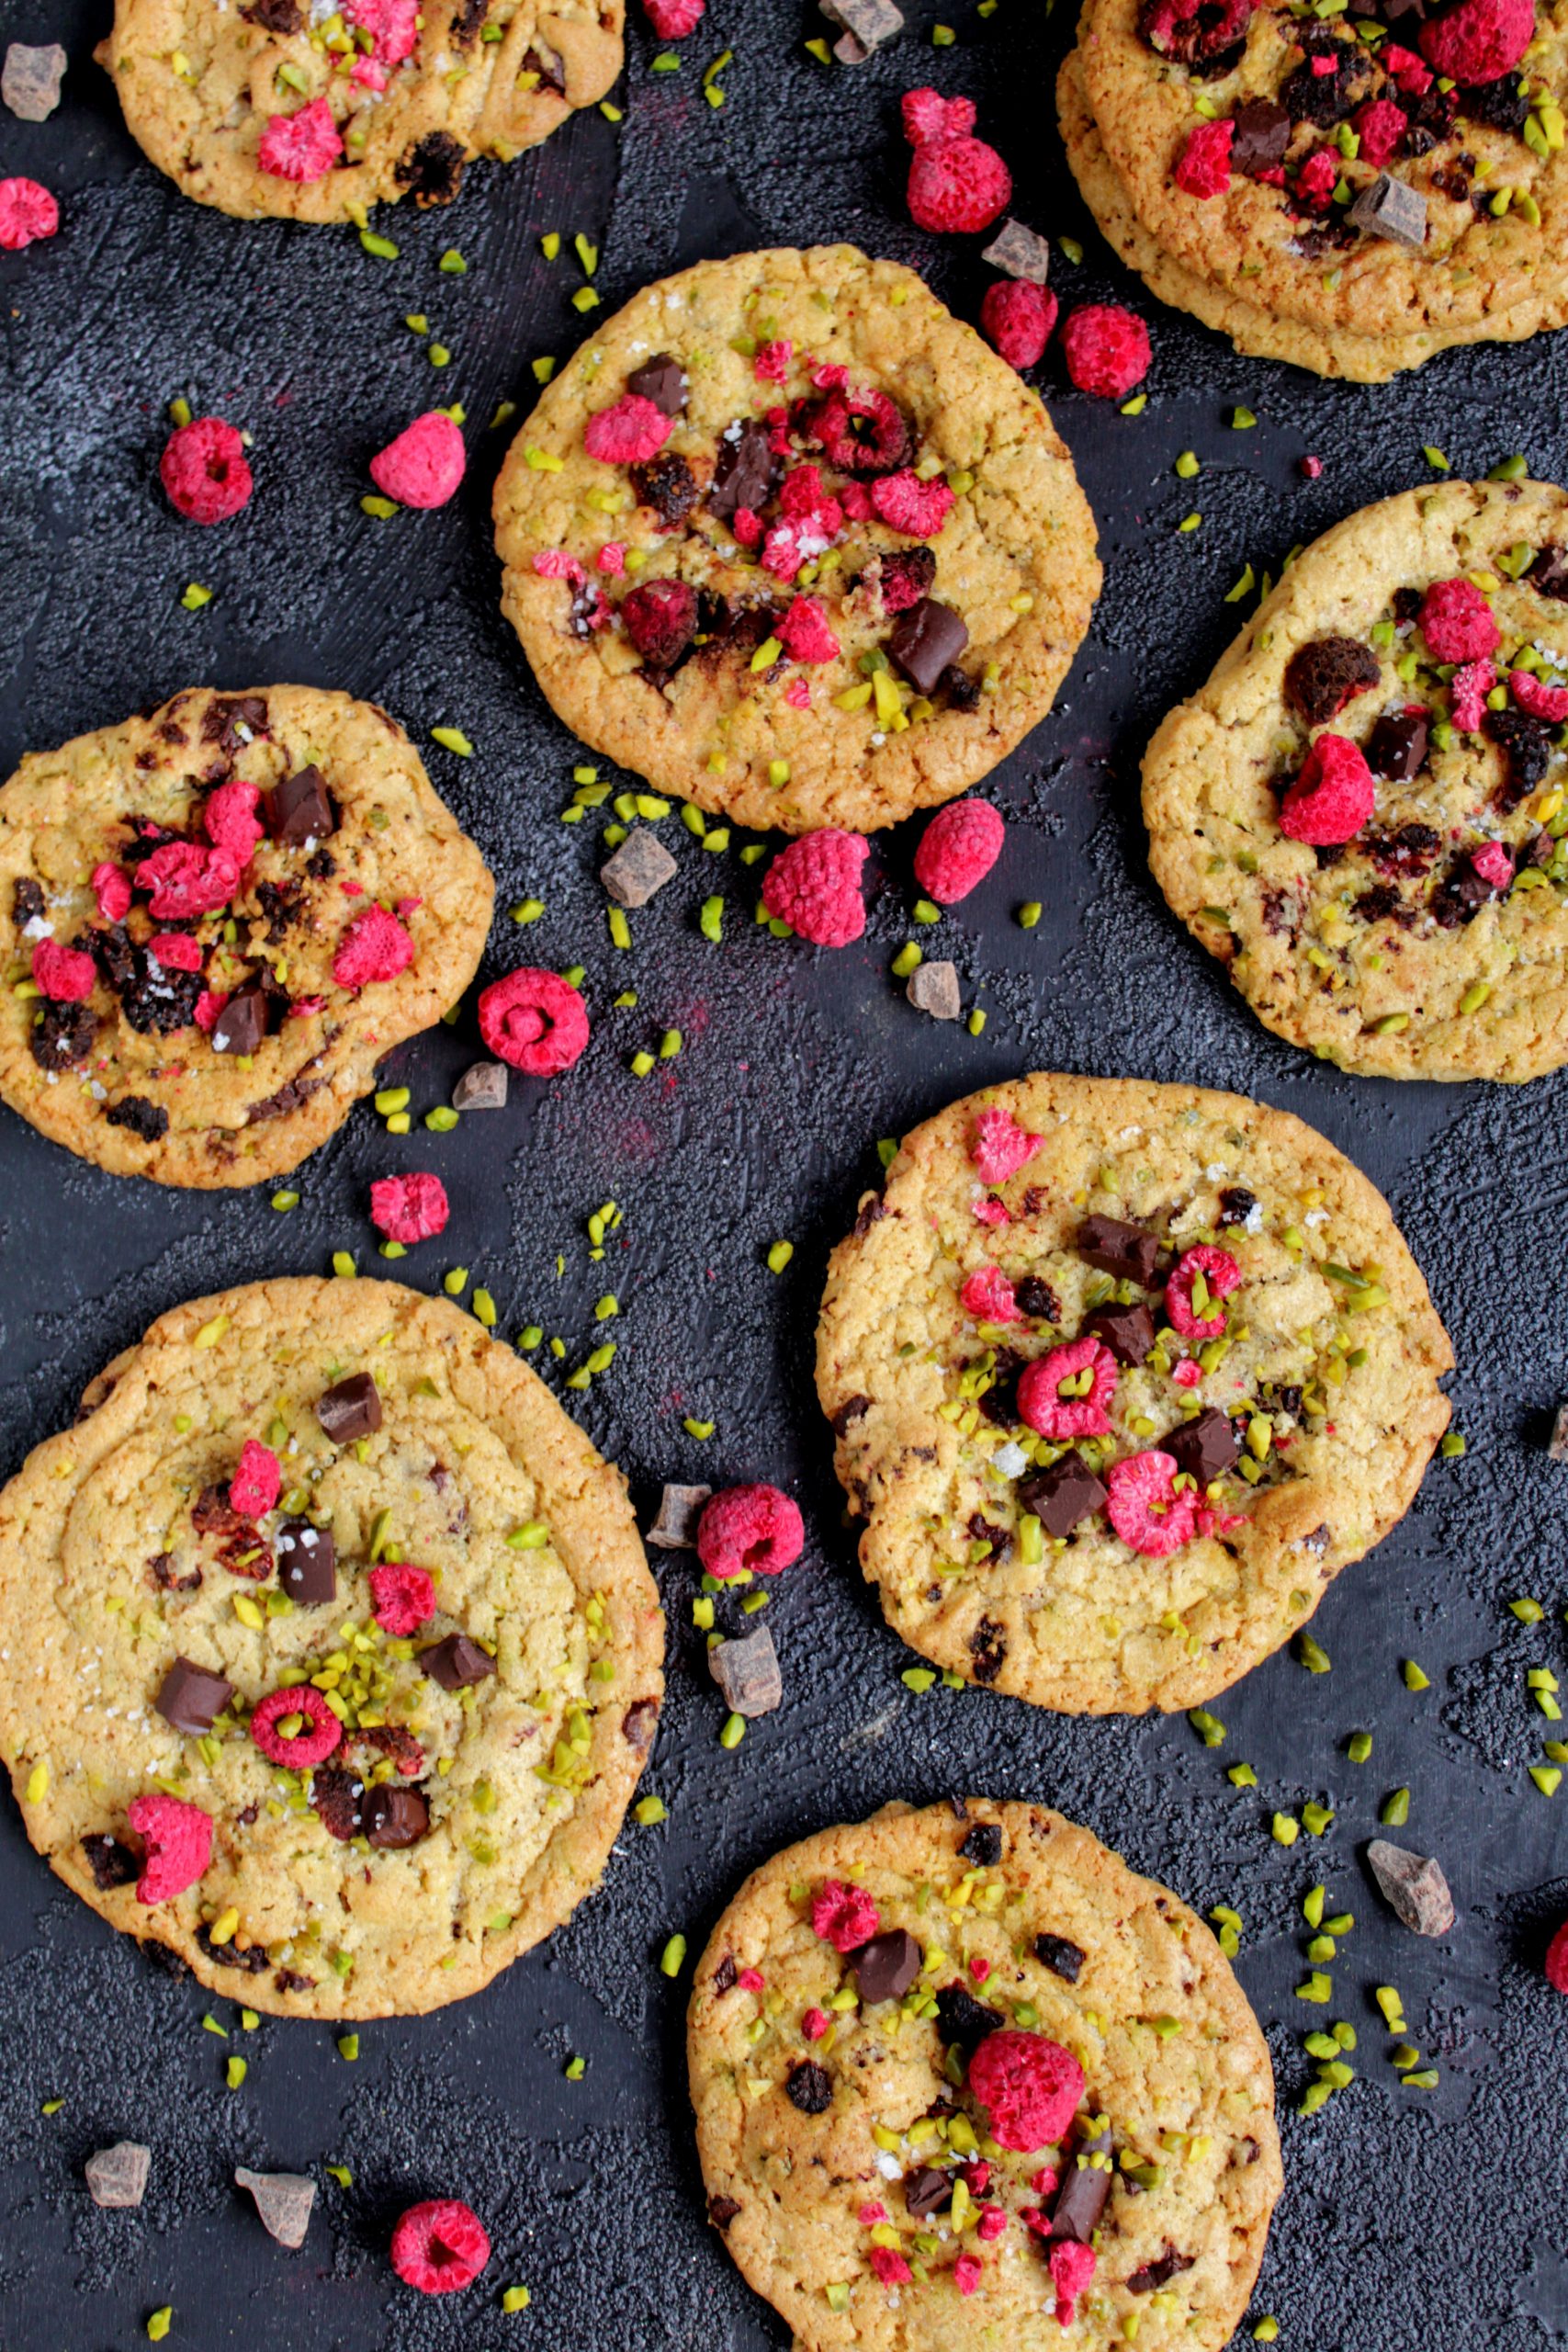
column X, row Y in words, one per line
column 840, row 564
column 1431, row 941
column 215, row 920
column 395, row 102
column 1040, row 2098
column 1122, row 1375
column 485, row 1708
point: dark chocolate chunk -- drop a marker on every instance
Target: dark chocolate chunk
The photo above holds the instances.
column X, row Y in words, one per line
column 1261, row 133
column 724, row 1975
column 394, row 1817
column 456, row 1662
column 639, row 1725
column 852, row 1410
column 1204, row 1448
column 1158, row 2273
column 250, row 1958
column 722, row 2210
column 289, row 1980
column 336, row 1795
column 27, row 903
column 432, row 169
column 809, row 2088
column 1127, row 1331
column 549, row 68
column 147, row 1120
column 999, row 1401
column 1409, row 850
column 744, row 472
column 1063, row 1495
column 161, row 1565
column 926, row 2191
column 225, row 716
column 1062, row 1958
column 62, row 1037
column 1526, row 745
column 965, row 2020
column 298, row 809
column 1460, row 895
column 1547, row 575
column 1128, row 1252
column 989, row 1649
column 280, row 16
column 111, row 1863
column 662, row 380
column 983, row 1846
column 924, row 641
column 1037, row 1300
column 1324, row 675
column 468, row 21
column 1081, row 2200
column 190, row 1698
column 350, row 1409
column 307, row 1562
column 961, row 691
column 887, row 1965
column 240, row 1027
column 667, row 484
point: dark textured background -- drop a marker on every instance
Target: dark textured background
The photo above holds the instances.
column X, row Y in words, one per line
column 1409, row 2220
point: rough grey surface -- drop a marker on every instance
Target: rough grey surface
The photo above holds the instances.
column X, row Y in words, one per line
column 795, row 1064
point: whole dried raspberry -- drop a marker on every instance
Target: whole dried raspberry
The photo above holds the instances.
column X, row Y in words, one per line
column 1480, row 40
column 1029, row 2084
column 302, row 146
column 534, row 1020
column 661, row 618
column 65, row 975
column 187, row 880
column 673, row 19
column 1468, row 690
column 1016, row 318
column 957, row 184
column 1557, row 1960
column 401, row 1598
column 958, row 849
column 756, row 1528
column 176, row 950
column 804, row 632
column 1456, row 622
column 1203, row 167
column 439, row 2246
column 257, row 1482
column 1001, row 1147
column 1073, row 2265
column 814, row 885
column 906, row 504
column 408, row 1208
column 628, row 434
column 1106, row 349
column 843, row 1916
column 1332, row 797
column 1065, row 1395
column 28, row 213
column 1549, row 703
column 861, row 432
column 1380, row 127
column 889, row 2265
column 205, row 471
column 1186, row 1309
column 1144, row 1506
column 374, row 948
column 424, row 465
column 393, row 26
column 313, row 1730
column 178, row 1842
column 230, row 820
column 987, row 1296
column 111, row 888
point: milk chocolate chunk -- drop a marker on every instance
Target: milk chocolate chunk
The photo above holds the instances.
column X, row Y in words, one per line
column 680, row 1508
column 1204, row 1448
column 298, row 809
column 307, row 1562
column 394, row 1817
column 925, row 640
column 887, row 1965
column 352, row 1409
column 283, row 2202
column 190, row 1698
column 1063, row 1495
column 1128, row 1252
column 456, row 1663
column 747, row 1671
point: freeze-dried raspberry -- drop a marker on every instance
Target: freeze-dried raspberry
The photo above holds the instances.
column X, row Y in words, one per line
column 205, row 471
column 302, row 146
column 754, row 1528
column 424, row 465
column 408, row 1208
column 1221, row 1274
column 1468, row 690
column 534, row 1020
column 904, row 576
column 783, row 554
column 802, row 492
column 988, row 1296
column 1456, row 622
column 28, row 213
column 1029, row 2084
column 843, row 1916
column 673, row 19
column 1041, row 1401
column 928, row 116
column 814, row 885
column 1192, row 32
column 890, row 2265
column 988, row 1210
column 1145, row 1506
column 558, row 564
column 230, row 820
column 958, row 849
column 804, row 632
column 957, row 184
column 611, row 558
column 1557, row 1960
column 187, row 880
column 1494, row 865
column 393, row 26
column 315, row 1736
column 1001, row 1147
column 1332, row 797
column 1016, row 318
column 177, row 1839
column 861, row 432
column 257, row 1482
column 111, row 888
column 1188, row 1373
column 771, row 365
column 374, row 948
column 815, row 2024
column 1106, row 349
column 628, row 434
column 176, row 950
column 401, row 1598
column 661, row 618
column 1203, row 167
column 65, row 975
column 439, row 2246
column 906, row 504
column 1549, row 703
column 1073, row 2265
column 1380, row 127
column 208, row 1007
column 1480, row 40
column 967, row 2273
column 1405, row 69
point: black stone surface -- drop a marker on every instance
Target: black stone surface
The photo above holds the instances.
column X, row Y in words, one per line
column 1411, row 2219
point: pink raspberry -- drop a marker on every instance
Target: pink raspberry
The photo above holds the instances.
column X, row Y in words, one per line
column 1332, row 797
column 65, row 975
column 401, row 1598
column 673, row 19
column 1557, row 1960
column 1030, row 2085
column 1188, row 1373
column 906, row 504
column 302, row 146
column 393, row 26
column 187, row 880
column 408, row 1208
column 988, row 1296
column 1042, row 1404
column 628, row 434
column 558, row 564
column 889, row 2265
column 374, row 948
column 1106, row 349
column 1407, row 69
column 1001, row 1147
column 804, row 632
column 1480, row 40
column 1318, row 178
column 990, row 1211
column 1549, row 703
column 958, row 849
column 815, row 2024
column 1203, row 168
column 928, row 116
column 230, row 820
column 208, row 1005
column 111, row 888
column 755, row 1528
column 611, row 558
column 318, row 1734
column 992, row 2224
column 1221, row 1274
column 814, row 885
column 771, row 365
column 783, row 554
column 176, row 950
column 661, row 618
column 1494, row 865
column 967, row 2273
column 1145, row 1506
column 1016, row 318
column 802, row 492
column 535, row 1020
column 205, row 470
column 863, row 433
column 1073, row 2265
column 439, row 2246
column 1468, row 690
column 843, row 1916
column 28, row 213
column 956, row 182
column 177, row 1839
column 257, row 1482
column 1456, row 622
column 1380, row 127
column 424, row 465
column 750, row 1980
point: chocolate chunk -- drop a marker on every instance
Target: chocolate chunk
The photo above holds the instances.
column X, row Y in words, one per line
column 1261, row 133
column 1036, row 1299
column 933, row 989
column 396, row 1817
column 1128, row 1252
column 27, row 903
column 744, row 472
column 1236, row 1204
column 1127, row 1331
column 1022, row 253
column 351, row 1410
column 283, row 2200
column 989, row 1649
column 1526, row 745
column 965, row 2020
column 809, row 2088
column 924, row 641
column 926, row 2192
column 667, row 484
column 640, row 866
column 1391, row 209
column 432, row 169
column 62, row 1037
column 1460, row 895
column 1321, row 99
column 843, row 1417
column 747, row 1671
column 116, row 2176
column 111, row 1863
column 1062, row 1958
column 147, row 1120
column 680, row 1508
column 30, row 82
column 1557, row 1445
column 1324, row 675
column 725, row 1975
column 336, row 1796
column 865, row 23
column 280, row 16
column 1159, row 2273
column 1415, row 1886
column 887, row 1965
column 240, row 1027
column 190, row 1698
column 1547, row 575
column 639, row 1725
column 307, row 1562
column 232, row 721
column 249, row 1959
column 289, row 1980
column 481, row 1088
column 1409, row 850
column 722, row 2210
column 662, row 380
column 1085, row 2185
column 298, row 811
column 1063, row 1495
column 1204, row 1448
column 456, row 1663
column 983, row 1846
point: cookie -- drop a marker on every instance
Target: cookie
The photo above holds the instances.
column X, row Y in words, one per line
column 1121, row 1376
column 1409, row 919
column 792, row 542
column 961, row 2077
column 214, row 922
column 333, row 1655
column 288, row 110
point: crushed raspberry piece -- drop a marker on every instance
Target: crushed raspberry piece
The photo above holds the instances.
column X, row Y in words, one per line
column 803, row 493
column 673, row 19
column 855, row 500
column 1407, row 69
column 661, row 618
column 439, row 2246
column 797, row 693
column 368, row 74
column 746, row 526
column 302, row 146
column 928, row 116
column 535, row 1020
column 230, row 820
column 65, row 975
column 1145, row 1506
column 804, row 632
column 1193, row 30
column 1333, row 795
column 1494, row 865
column 956, row 181
column 1468, row 690
column 1323, row 68
column 393, row 26
column 628, row 434
column 177, row 1839
column 1456, row 622
column 205, row 470
column 814, row 885
column 1549, row 703
column 111, row 888
column 1000, row 1146
column 889, row 2265
column 958, row 849
column 749, row 1980
column 1221, row 1274
column 611, row 558
column 257, row 1482
column 977, row 2172
column 988, row 1210
column 967, row 2273
column 208, row 1005
column 1318, row 178
column 1016, row 318
column 991, row 2223
column 424, row 465
column 401, row 1598
column 871, row 2214
column 319, row 1730
column 27, row 213
column 1042, row 1404
column 1380, row 127
column 988, row 1296
column 1044, row 2182
column 556, row 563
column 783, row 554
column 752, row 1527
column 1557, row 1960
column 845, row 1917
column 979, row 1970
column 771, row 364
column 187, row 880
column 1203, row 167
column 815, row 2024
column 1480, row 40
column 176, row 950
column 1106, row 349
column 1188, row 1373
column 1073, row 2265
column 408, row 1208
column 906, row 504
column 1030, row 2085
column 374, row 948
